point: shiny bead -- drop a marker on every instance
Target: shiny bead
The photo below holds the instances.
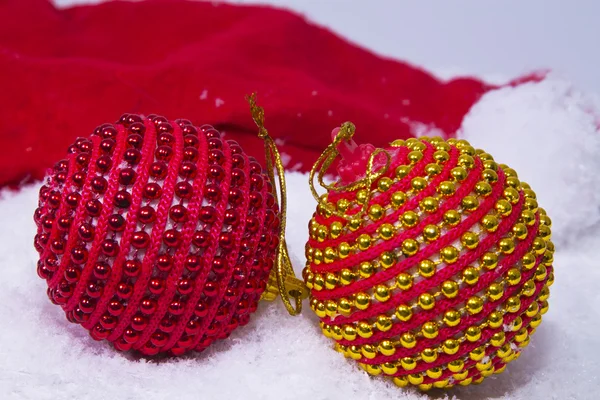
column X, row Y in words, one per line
column 513, row 276
column 387, row 348
column 434, row 373
column 364, row 241
column 386, row 231
column 364, row 330
column 404, row 313
column 354, row 224
column 383, row 323
column 469, row 203
column 429, row 204
column 429, row 355
column 389, row 368
column 410, row 247
column 346, row 277
column 431, row 233
column 433, row 169
column 362, row 301
column 498, row 339
column 513, row 304
column 382, row 293
column 451, row 318
column 520, row 231
column 417, row 379
column 318, row 282
column 427, row 268
column 343, row 205
column 450, row 346
column 410, row 219
column 366, row 269
column 404, row 281
column 408, row 340
column 449, row 254
column 528, row 288
column 473, row 333
column 495, row 291
column 456, row 365
column 528, row 217
column 414, row 156
column 344, row 250
column 441, row 156
column 477, row 354
column 538, row 246
column 471, row 275
column 331, row 308
column 452, row 217
column 490, row 223
column 506, row 245
column 361, row 196
column 387, row 259
column 426, row 301
column 398, row 199
column 331, row 281
column 376, row 212
column 489, row 261
column 470, row 240
column 335, row 229
column 489, row 175
column 483, row 188
column 402, row 171
column 449, row 289
column 474, row 305
column 532, row 310
column 384, row 184
column 446, row 188
column 349, row 332
column 429, row 330
column 459, row 174
column 329, row 255
column 344, row 306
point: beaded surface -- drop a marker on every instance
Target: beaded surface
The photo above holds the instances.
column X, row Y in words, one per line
column 444, row 278
column 156, row 235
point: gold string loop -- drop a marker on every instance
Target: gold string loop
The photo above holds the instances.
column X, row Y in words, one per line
column 327, row 158
column 282, row 279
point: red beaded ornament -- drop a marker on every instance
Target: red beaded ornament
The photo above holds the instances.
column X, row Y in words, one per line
column 157, row 235
column 427, row 261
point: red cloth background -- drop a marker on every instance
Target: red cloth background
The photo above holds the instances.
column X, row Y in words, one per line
column 65, row 71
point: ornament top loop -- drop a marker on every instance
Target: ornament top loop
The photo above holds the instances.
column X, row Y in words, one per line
column 282, row 279
column 343, row 137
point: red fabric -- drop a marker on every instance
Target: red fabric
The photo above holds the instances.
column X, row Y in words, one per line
column 66, row 71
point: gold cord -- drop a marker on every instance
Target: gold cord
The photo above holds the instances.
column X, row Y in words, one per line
column 282, row 279
column 327, row 158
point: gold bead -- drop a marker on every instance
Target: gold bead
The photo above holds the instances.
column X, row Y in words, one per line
column 362, row 301
column 427, row 268
column 495, row 291
column 465, row 382
column 528, row 260
column 354, row 352
column 376, row 212
column 470, row 240
column 470, row 275
column 322, row 233
column 331, row 280
column 329, row 255
column 408, row 363
column 446, row 188
column 513, row 276
column 443, row 145
column 383, row 323
column 509, row 171
column 513, row 182
column 335, row 229
column 503, row 207
column 521, row 335
column 342, row 205
column 387, row 259
column 410, row 219
column 452, row 217
column 349, row 332
column 469, row 203
column 504, row 350
column 528, row 288
column 344, row 250
column 417, row 146
column 459, row 174
column 397, row 143
column 482, row 366
column 536, row 321
column 364, row 330
column 473, row 333
column 400, row 381
column 483, row 188
column 362, row 196
column 404, row 281
column 414, row 157
column 320, row 310
column 520, row 231
column 450, row 289
column 506, row 245
column 386, row 231
column 429, row 355
column 326, row 329
column 331, row 308
column 431, row 233
column 384, row 184
column 417, row 379
column 410, row 247
column 544, row 232
column 548, row 258
column 498, row 339
column 364, row 241
column 426, row 301
column 344, row 306
column 527, row 217
column 474, row 305
column 489, row 261
column 408, row 340
column 511, row 194
column 397, row 199
column 451, row 318
column 386, row 348
column 539, row 245
column 354, row 224
column 369, row 351
column 545, row 220
column 495, row 319
column 365, row 269
column 531, row 205
column 418, row 183
column 532, row 310
column 429, row 204
column 373, row 370
column 489, row 175
column 541, row 273
column 404, row 312
column 466, row 161
column 432, row 169
column 318, row 282
column 456, row 365
column 490, row 164
column 477, row 353
column 441, row 156
column 402, row 171
column 389, row 368
column 513, row 304
column 382, row 293
column 517, row 324
column 429, row 329
column 490, row 223
column 450, row 346
column 434, row 373
column 449, row 254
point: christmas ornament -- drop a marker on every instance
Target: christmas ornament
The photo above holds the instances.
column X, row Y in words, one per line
column 160, row 236
column 427, row 261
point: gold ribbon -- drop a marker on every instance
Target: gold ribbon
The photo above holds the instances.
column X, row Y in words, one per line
column 327, row 158
column 282, row 279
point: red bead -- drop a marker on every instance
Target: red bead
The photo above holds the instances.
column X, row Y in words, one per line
column 122, row 345
column 149, row 349
column 139, row 322
column 164, row 262
column 238, row 274
column 158, row 170
column 208, row 214
column 218, row 264
column 124, row 290
column 127, row 176
column 216, row 172
column 255, row 167
column 109, row 132
column 188, row 129
column 83, row 159
column 230, row 295
column 167, row 325
column 156, row 286
column 86, row 232
column 80, row 316
column 159, row 339
column 64, row 222
column 132, row 156
column 78, row 178
column 79, row 255
column 93, row 207
column 185, row 286
column 53, row 199
column 188, row 170
column 164, row 126
column 201, row 239
column 133, row 118
column 107, row 145
column 192, row 263
column 256, row 199
column 61, row 177
column 256, row 182
column 72, row 199
column 171, row 238
column 101, row 270
column 148, row 306
column 192, row 328
column 65, row 289
column 190, row 154
column 132, row 268
column 178, row 213
column 140, row 240
column 176, row 308
column 191, row 141
column 165, row 139
column 147, row 215
column 163, row 153
column 226, row 240
column 201, row 309
column 216, row 156
column 108, row 321
column 131, row 336
column 234, row 147
column 215, row 143
column 51, row 262
column 152, row 191
column 116, row 222
column 222, row 314
column 87, row 305
column 99, row 333
column 231, row 217
column 245, row 247
column 212, row 192
column 123, row 199
column 135, row 141
column 183, row 190
column 185, row 341
column 238, row 178
column 115, row 307
column 137, row 128
column 48, row 222
column 103, row 163
column 211, row 289
column 238, row 161
column 110, row 248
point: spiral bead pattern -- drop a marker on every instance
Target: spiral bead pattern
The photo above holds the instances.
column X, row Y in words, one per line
column 444, row 278
column 156, row 235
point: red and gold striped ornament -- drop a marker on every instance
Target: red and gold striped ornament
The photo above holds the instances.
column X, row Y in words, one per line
column 427, row 261
column 161, row 236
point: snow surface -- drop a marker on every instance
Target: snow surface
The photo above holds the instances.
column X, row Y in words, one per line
column 281, row 357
